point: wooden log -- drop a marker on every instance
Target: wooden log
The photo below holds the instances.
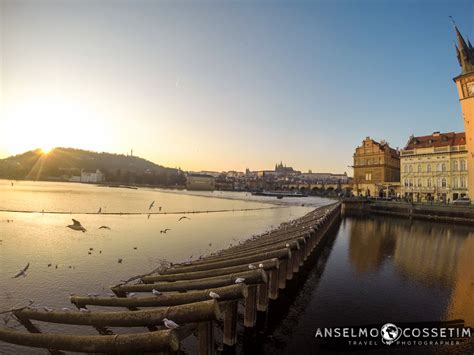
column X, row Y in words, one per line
column 250, row 313
column 230, row 324
column 187, row 313
column 165, row 340
column 273, row 287
column 251, row 277
column 258, row 251
column 226, row 293
column 280, row 254
column 206, row 338
column 257, row 248
column 268, row 264
column 262, row 297
column 34, row 329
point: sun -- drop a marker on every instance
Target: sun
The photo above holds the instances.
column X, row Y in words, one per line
column 46, row 150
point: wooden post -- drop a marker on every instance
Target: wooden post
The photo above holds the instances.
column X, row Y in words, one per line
column 289, row 268
column 230, row 324
column 282, row 274
column 250, row 314
column 273, row 284
column 262, row 297
column 206, row 338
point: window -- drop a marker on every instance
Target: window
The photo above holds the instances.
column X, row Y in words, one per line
column 443, row 167
column 368, row 176
column 438, row 167
column 406, row 182
column 419, row 183
column 455, row 165
column 455, row 182
column 429, row 182
column 405, row 168
column 410, row 182
column 419, row 168
column 463, row 165
column 410, row 168
column 463, row 181
column 443, row 182
column 428, row 168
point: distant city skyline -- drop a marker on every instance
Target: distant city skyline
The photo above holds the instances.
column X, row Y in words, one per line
column 228, row 86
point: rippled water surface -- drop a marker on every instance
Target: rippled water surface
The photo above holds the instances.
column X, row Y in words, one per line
column 38, row 234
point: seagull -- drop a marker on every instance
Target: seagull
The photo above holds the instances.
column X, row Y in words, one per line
column 47, row 309
column 119, row 261
column 84, row 310
column 252, row 266
column 100, row 210
column 260, row 265
column 239, row 280
column 22, row 272
column 159, row 208
column 148, row 216
column 131, row 294
column 92, row 295
column 77, row 226
column 65, row 309
column 134, row 248
column 104, row 227
column 214, row 295
column 181, row 218
column 170, row 324
column 156, row 292
column 151, row 205
column 49, row 265
column 287, row 245
column 210, row 244
column 165, row 230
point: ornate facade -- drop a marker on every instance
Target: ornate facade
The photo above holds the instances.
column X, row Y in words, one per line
column 376, row 165
column 434, row 167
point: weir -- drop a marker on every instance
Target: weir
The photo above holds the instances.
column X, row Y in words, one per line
column 254, row 274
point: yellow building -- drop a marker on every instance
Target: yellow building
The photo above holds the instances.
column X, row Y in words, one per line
column 433, row 167
column 465, row 86
column 376, row 168
column 200, row 182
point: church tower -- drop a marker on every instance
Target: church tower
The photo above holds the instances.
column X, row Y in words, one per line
column 465, row 85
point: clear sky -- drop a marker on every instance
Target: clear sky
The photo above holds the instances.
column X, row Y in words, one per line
column 221, row 85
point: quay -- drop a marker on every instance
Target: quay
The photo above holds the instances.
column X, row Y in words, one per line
column 265, row 264
column 423, row 211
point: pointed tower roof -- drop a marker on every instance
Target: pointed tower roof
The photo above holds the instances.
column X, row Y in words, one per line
column 464, row 52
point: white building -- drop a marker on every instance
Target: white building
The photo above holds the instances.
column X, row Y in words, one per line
column 94, row 177
column 434, row 168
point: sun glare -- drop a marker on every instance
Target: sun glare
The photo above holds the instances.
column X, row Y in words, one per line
column 46, row 150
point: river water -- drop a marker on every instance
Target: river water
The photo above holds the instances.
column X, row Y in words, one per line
column 373, row 270
column 34, row 216
column 379, row 270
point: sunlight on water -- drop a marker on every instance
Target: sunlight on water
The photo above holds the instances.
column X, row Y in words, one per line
column 61, row 259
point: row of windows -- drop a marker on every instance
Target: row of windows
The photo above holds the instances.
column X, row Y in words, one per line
column 440, row 182
column 457, row 166
column 368, row 161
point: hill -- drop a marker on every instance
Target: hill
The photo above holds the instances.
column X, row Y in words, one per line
column 62, row 163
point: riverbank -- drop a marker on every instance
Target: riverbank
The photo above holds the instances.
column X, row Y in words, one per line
column 439, row 213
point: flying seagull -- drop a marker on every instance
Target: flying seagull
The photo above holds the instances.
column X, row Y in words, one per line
column 77, row 226
column 22, row 272
column 170, row 324
column 181, row 218
column 104, row 227
column 165, row 230
column 151, row 205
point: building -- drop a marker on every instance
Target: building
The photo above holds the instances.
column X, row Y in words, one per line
column 465, row 86
column 94, row 177
column 200, row 182
column 433, row 167
column 376, row 169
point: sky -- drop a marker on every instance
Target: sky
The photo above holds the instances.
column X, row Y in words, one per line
column 228, row 85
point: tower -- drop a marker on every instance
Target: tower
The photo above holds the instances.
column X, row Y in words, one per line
column 465, row 85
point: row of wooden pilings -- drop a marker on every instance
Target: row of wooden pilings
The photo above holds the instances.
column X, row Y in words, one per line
column 254, row 272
